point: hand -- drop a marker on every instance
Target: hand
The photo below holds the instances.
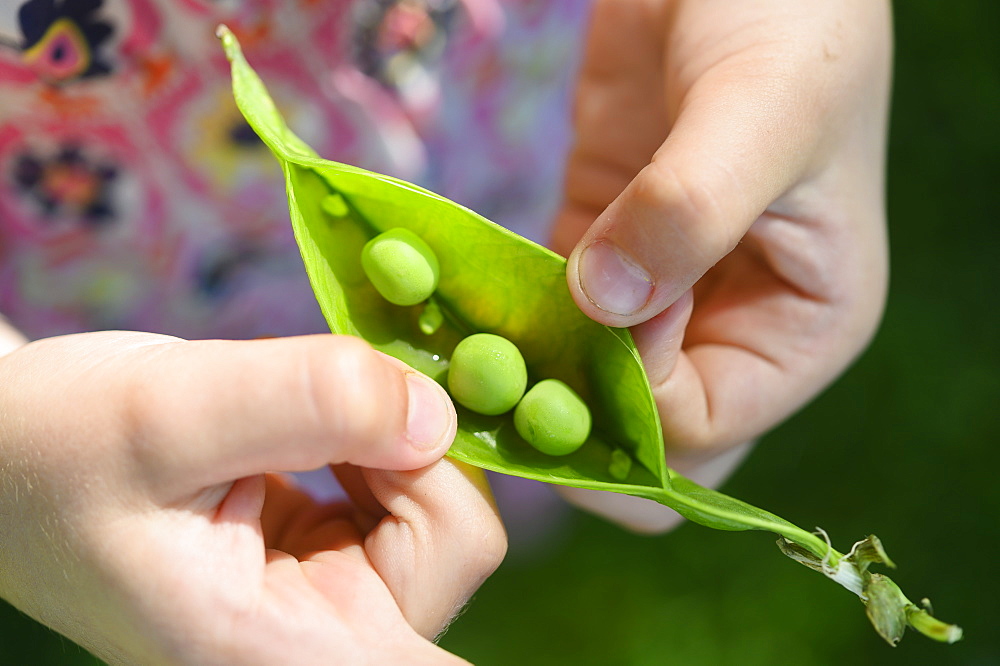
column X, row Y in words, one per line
column 724, row 199
column 138, row 519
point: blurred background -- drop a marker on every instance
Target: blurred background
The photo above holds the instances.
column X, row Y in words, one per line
column 903, row 446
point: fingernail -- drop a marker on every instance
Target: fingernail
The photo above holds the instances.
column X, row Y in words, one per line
column 612, row 280
column 430, row 416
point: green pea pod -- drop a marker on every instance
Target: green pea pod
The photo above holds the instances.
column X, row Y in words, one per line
column 494, row 281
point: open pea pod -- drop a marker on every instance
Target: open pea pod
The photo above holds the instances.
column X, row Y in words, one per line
column 491, row 280
column 494, row 281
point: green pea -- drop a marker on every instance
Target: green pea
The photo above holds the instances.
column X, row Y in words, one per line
column 431, row 318
column 334, row 205
column 402, row 267
column 620, row 465
column 487, row 374
column 553, row 418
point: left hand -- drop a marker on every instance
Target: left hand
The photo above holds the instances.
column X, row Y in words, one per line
column 141, row 518
column 724, row 199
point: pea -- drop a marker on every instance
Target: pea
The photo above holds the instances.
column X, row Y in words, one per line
column 620, row 465
column 335, row 206
column 431, row 318
column 487, row 374
column 402, row 267
column 553, row 418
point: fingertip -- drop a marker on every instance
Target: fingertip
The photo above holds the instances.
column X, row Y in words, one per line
column 612, row 288
column 431, row 420
column 612, row 280
column 638, row 256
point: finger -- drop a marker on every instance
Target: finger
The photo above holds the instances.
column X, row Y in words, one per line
column 663, row 337
column 443, row 539
column 331, row 606
column 368, row 510
column 211, row 411
column 684, row 211
column 746, row 129
column 296, row 523
column 756, row 348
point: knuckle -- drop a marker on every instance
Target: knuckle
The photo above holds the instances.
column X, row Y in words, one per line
column 464, row 523
column 693, row 433
column 150, row 425
column 492, row 550
column 696, row 209
column 483, row 542
column 354, row 395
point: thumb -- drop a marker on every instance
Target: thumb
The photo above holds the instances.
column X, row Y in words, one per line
column 208, row 412
column 736, row 146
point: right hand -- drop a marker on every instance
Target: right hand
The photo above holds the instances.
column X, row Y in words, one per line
column 141, row 519
column 725, row 201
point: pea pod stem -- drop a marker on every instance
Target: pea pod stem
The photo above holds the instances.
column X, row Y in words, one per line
column 889, row 610
column 712, row 515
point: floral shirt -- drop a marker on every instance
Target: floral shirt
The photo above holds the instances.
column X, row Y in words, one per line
column 133, row 195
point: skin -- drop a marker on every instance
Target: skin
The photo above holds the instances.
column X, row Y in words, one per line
column 142, row 518
column 733, row 153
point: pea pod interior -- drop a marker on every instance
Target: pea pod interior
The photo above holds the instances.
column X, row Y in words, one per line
column 491, row 281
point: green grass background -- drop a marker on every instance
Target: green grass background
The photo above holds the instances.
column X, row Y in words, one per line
column 905, row 445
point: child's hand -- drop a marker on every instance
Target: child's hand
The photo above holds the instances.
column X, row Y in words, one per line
column 135, row 518
column 736, row 149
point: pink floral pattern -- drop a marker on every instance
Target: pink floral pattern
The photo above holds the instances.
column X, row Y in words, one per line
column 133, row 195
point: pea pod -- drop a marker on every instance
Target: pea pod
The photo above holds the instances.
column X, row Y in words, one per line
column 494, row 281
